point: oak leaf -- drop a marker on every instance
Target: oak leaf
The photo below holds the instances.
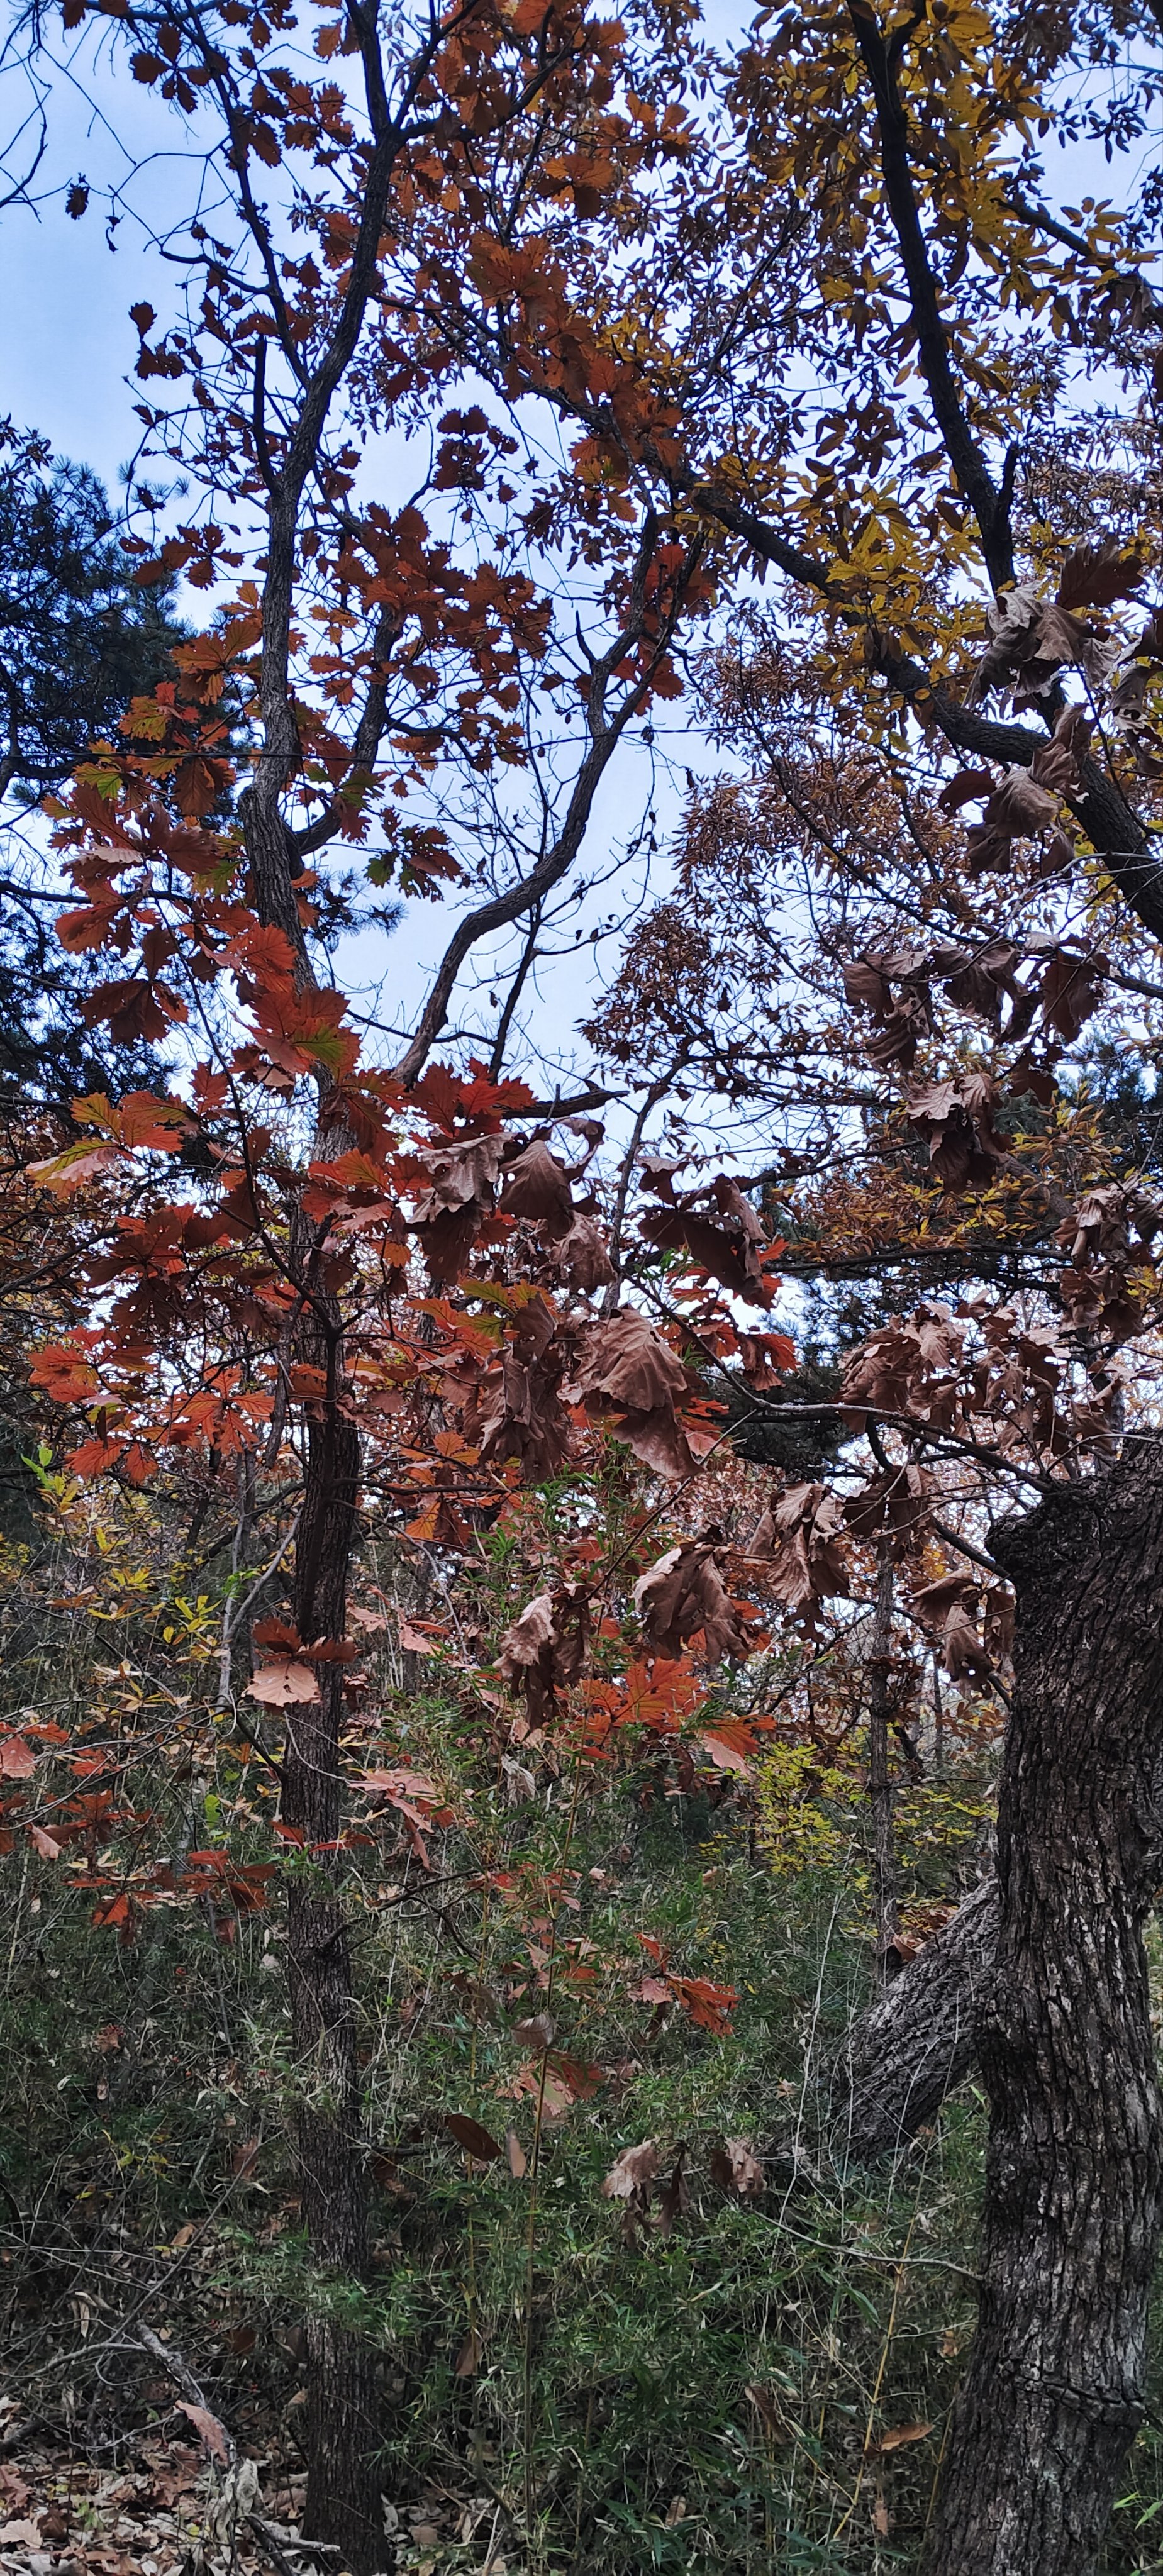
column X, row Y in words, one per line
column 800, row 1534
column 545, row 1648
column 537, row 1187
column 628, row 1377
column 281, row 1683
column 631, row 2174
column 683, row 1593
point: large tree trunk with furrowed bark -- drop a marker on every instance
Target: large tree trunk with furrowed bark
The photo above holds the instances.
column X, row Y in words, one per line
column 1074, row 2174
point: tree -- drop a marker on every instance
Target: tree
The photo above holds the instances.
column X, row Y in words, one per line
column 514, row 203
column 429, row 646
column 78, row 640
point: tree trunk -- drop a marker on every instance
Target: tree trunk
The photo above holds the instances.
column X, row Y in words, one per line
column 1074, row 2173
column 343, row 2480
column 342, row 2440
column 879, row 1783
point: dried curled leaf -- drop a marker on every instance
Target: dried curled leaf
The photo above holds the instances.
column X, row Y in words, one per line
column 581, row 1258
column 719, row 1227
column 627, row 1376
column 1071, row 988
column 514, row 1407
column 631, row 2174
column 894, row 1505
column 734, row 2166
column 947, row 1608
column 956, row 1119
column 682, row 1594
column 800, row 1532
column 911, row 1366
column 538, row 1188
column 461, row 1178
column 545, row 1648
column 1030, row 639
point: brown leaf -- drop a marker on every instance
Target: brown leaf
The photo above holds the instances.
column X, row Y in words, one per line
column 864, row 983
column 897, row 1041
column 469, row 2134
column 213, row 2435
column 1030, row 639
column 967, row 787
column 581, row 1258
column 468, row 2359
column 893, row 1505
column 413, row 1640
column 1055, row 763
column 768, row 2408
column 684, row 1593
column 912, row 1365
column 545, row 1649
column 632, row 2173
column 518, row 2160
column 536, row 2032
column 934, row 1601
column 674, row 2197
column 628, row 1376
column 1071, row 990
column 735, row 2167
column 478, row 1998
column 17, row 1758
column 897, row 2435
column 800, row 1532
column 964, row 1655
column 956, row 1119
column 278, row 1685
column 720, row 1229
column 538, row 1188
column 1095, row 576
column 448, row 1215
column 515, row 1408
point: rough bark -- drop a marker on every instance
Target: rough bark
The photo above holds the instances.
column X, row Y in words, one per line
column 1074, row 2174
column 917, row 2041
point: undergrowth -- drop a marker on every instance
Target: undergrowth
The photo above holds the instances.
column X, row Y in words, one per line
column 568, row 2382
